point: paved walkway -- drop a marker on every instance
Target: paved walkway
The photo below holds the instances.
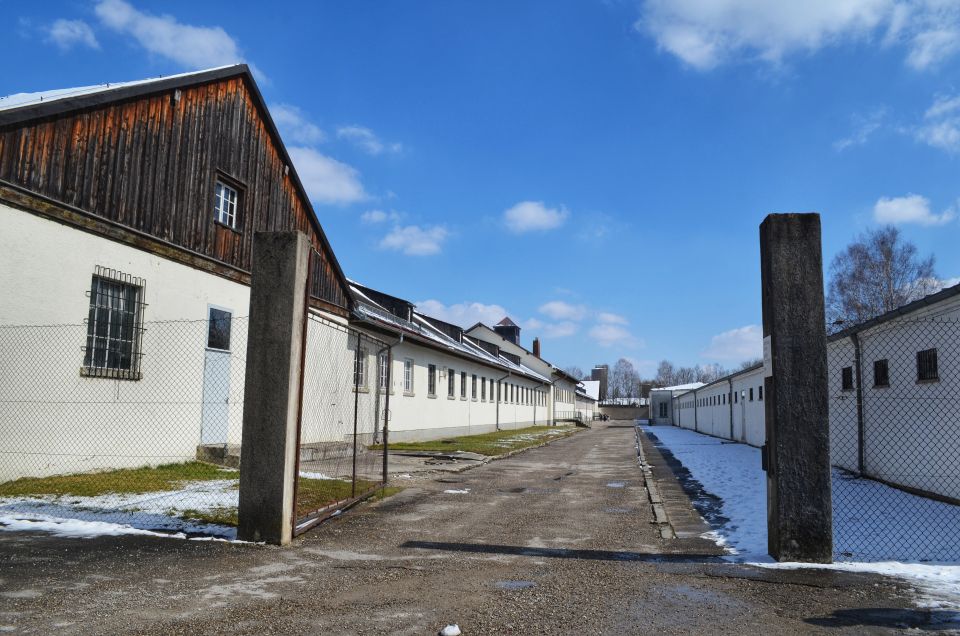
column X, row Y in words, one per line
column 556, row 540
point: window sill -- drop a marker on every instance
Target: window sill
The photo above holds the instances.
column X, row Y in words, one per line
column 362, row 389
column 931, row 381
column 432, row 396
column 110, row 374
column 409, row 394
column 451, row 397
column 881, row 386
column 227, row 227
column 463, row 398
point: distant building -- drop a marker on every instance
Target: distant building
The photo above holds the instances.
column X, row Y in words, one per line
column 601, row 374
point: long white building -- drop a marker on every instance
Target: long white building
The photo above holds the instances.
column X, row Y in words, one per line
column 894, row 396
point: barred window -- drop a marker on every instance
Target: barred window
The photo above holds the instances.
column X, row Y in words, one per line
column 218, row 329
column 483, row 389
column 225, row 204
column 451, row 383
column 383, row 371
column 473, row 387
column 432, row 380
column 761, row 392
column 114, row 326
column 751, row 394
column 881, row 373
column 846, row 379
column 463, row 384
column 408, row 375
column 927, row 366
column 360, row 368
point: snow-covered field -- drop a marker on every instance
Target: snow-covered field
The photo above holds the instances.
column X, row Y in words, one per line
column 912, row 546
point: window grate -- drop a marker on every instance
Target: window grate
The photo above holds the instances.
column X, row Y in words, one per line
column 927, row 370
column 114, row 326
column 881, row 373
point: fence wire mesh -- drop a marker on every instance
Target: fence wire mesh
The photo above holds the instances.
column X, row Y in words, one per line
column 343, row 415
column 895, row 441
column 138, row 425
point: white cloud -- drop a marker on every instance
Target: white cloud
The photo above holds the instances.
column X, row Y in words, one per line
column 294, row 125
column 707, row 33
column 414, row 240
column 609, row 335
column 465, row 314
column 611, row 319
column 864, row 127
column 559, row 329
column 736, row 345
column 912, row 208
column 367, row 140
column 941, row 124
column 529, row 216
column 375, row 217
column 193, row 47
column 67, row 34
column 326, row 180
column 560, row 310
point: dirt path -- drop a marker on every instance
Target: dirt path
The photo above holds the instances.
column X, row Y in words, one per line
column 557, row 540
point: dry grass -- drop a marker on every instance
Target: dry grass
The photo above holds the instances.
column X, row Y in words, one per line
column 491, row 444
column 120, row 481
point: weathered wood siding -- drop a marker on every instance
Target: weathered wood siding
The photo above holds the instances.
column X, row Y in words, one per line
column 150, row 164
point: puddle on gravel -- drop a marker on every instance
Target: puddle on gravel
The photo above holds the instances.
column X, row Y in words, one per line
column 619, row 511
column 616, row 484
column 515, row 585
column 520, row 490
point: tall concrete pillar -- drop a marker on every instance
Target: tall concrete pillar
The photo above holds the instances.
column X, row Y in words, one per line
column 797, row 452
column 272, row 386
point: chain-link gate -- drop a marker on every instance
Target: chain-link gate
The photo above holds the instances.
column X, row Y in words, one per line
column 342, row 454
column 895, row 441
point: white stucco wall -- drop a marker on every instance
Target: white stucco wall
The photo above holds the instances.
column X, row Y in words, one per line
column 52, row 419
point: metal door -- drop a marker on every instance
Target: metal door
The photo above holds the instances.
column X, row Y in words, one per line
column 216, row 378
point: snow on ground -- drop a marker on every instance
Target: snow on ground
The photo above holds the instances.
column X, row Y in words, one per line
column 150, row 511
column 733, row 501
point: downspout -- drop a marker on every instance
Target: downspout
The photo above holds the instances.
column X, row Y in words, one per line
column 499, row 394
column 855, row 337
column 696, row 410
column 730, row 403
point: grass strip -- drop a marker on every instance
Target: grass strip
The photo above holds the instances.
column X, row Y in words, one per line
column 490, row 444
column 119, row 481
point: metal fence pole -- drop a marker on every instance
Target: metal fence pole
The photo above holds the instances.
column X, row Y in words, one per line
column 386, row 412
column 356, row 409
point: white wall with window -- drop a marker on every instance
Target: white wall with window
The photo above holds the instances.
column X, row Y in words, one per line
column 121, row 303
column 451, row 409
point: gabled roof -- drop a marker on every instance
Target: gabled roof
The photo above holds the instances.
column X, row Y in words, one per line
column 425, row 330
column 23, row 108
column 506, row 322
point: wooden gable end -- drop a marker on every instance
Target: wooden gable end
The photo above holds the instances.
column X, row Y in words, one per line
column 150, row 162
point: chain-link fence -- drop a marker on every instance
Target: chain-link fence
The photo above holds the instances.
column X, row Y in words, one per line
column 123, row 421
column 342, row 455
column 895, row 441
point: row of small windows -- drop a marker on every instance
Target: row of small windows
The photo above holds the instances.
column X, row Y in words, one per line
column 724, row 399
column 927, row 371
column 480, row 386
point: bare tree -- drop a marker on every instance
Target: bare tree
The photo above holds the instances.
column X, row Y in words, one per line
column 746, row 364
column 576, row 372
column 708, row 373
column 685, row 375
column 877, row 273
column 624, row 380
column 665, row 374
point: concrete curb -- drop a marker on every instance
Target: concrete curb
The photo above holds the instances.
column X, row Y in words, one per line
column 661, row 519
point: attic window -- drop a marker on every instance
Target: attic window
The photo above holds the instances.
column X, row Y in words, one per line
column 226, row 204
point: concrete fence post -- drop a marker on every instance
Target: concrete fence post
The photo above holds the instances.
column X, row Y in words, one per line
column 797, row 450
column 272, row 386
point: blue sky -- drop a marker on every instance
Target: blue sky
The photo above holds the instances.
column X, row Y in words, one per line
column 596, row 169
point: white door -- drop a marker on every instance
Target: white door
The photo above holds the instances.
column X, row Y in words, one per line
column 216, row 378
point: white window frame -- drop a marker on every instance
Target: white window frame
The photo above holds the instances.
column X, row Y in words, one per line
column 383, row 368
column 408, row 375
column 360, row 367
column 226, row 202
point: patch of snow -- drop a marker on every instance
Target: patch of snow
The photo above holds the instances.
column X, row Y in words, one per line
column 149, row 511
column 72, row 528
column 322, row 476
column 451, row 630
column 457, row 492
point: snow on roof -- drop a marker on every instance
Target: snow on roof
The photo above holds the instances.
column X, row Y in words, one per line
column 423, row 328
column 18, row 100
column 680, row 387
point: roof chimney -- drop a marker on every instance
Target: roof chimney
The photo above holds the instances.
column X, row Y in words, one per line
column 536, row 347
